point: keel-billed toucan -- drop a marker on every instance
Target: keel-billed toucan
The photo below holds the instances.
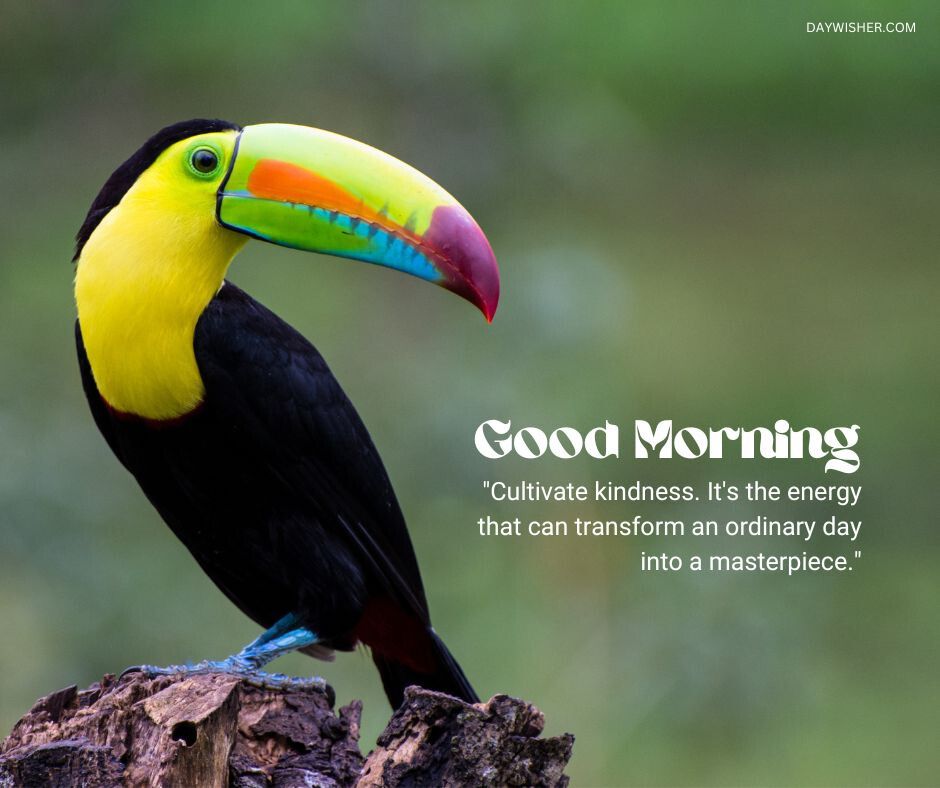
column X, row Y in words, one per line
column 228, row 418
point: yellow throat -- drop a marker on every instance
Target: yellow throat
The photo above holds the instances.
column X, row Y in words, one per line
column 143, row 279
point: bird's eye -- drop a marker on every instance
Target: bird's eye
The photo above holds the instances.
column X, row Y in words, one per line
column 204, row 161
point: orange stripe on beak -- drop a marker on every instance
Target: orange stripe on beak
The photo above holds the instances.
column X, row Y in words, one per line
column 285, row 182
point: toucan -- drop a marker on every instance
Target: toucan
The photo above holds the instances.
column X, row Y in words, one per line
column 228, row 418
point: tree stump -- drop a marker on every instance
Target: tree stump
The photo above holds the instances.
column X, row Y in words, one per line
column 215, row 729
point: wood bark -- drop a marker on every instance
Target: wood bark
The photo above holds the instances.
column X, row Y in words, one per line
column 215, row 729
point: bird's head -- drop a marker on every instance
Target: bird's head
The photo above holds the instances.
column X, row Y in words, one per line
column 214, row 183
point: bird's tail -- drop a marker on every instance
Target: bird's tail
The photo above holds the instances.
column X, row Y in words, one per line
column 446, row 675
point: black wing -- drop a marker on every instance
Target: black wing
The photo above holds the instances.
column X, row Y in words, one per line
column 266, row 378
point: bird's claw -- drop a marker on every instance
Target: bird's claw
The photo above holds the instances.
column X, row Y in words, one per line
column 231, row 667
column 282, row 638
column 148, row 670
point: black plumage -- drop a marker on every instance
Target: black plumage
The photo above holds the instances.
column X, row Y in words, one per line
column 277, row 490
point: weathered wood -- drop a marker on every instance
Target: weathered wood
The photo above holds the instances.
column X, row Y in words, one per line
column 216, row 730
column 437, row 740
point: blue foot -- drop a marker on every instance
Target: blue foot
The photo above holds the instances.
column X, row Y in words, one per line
column 282, row 638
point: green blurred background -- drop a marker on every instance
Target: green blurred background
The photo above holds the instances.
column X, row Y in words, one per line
column 702, row 212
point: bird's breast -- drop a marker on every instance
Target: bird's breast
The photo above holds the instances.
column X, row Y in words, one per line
column 143, row 363
column 144, row 369
column 138, row 319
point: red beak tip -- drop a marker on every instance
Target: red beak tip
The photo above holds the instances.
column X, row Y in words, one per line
column 474, row 272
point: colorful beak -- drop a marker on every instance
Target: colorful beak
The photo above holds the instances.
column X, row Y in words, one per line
column 321, row 192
